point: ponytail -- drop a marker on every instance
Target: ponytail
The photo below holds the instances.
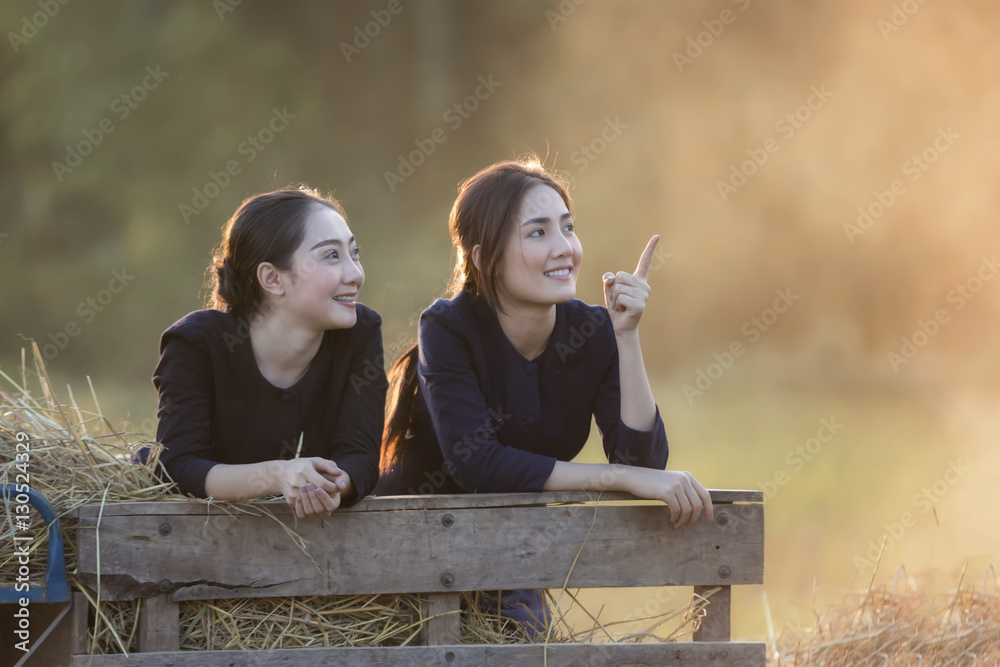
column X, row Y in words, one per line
column 400, row 403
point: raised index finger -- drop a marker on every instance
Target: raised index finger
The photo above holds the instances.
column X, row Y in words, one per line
column 642, row 268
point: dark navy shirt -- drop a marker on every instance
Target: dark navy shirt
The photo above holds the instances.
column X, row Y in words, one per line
column 215, row 406
column 488, row 420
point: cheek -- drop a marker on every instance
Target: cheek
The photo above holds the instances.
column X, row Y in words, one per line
column 322, row 281
column 534, row 264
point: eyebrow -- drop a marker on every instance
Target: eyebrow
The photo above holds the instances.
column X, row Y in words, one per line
column 332, row 242
column 544, row 219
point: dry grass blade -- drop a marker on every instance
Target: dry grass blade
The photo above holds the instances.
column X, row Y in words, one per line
column 888, row 626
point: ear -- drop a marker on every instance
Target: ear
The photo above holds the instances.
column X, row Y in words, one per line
column 475, row 257
column 270, row 279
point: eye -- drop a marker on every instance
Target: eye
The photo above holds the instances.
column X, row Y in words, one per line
column 331, row 255
column 537, row 232
column 357, row 251
column 569, row 227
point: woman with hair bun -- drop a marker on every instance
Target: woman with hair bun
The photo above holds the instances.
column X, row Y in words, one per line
column 278, row 386
column 499, row 393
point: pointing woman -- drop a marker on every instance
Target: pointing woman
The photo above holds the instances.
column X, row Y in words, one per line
column 270, row 392
column 499, row 393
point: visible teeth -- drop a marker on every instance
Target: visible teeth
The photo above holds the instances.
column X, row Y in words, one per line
column 344, row 298
column 560, row 272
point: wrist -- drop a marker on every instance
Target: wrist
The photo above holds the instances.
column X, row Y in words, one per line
column 621, row 477
column 288, row 474
column 629, row 337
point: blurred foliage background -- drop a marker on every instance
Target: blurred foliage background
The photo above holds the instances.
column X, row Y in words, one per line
column 648, row 107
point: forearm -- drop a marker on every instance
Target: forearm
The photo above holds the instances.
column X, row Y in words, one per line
column 244, row 481
column 568, row 476
column 638, row 409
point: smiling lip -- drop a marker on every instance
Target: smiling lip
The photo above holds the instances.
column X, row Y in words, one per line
column 346, row 303
column 561, row 273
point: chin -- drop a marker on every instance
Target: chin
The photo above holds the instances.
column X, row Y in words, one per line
column 561, row 295
column 343, row 321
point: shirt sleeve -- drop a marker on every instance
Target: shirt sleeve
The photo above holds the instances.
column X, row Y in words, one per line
column 184, row 383
column 622, row 444
column 357, row 438
column 465, row 425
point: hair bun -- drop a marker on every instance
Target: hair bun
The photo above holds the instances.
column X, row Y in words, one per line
column 229, row 290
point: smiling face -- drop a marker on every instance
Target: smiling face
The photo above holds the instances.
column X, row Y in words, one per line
column 542, row 254
column 326, row 275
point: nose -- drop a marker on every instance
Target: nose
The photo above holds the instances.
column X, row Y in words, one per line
column 561, row 247
column 354, row 274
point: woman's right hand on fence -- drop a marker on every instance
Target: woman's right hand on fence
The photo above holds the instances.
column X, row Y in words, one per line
column 683, row 494
column 307, row 490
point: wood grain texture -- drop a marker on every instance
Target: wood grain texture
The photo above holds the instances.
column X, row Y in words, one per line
column 444, row 624
column 688, row 654
column 488, row 548
column 389, row 503
column 78, row 624
column 716, row 623
column 159, row 624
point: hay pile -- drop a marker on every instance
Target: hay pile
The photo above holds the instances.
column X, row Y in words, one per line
column 896, row 626
column 77, row 457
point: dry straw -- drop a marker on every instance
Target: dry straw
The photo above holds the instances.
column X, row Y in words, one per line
column 898, row 625
column 79, row 458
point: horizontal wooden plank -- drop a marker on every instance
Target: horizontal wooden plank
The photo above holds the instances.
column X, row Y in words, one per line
column 387, row 503
column 686, row 654
column 205, row 557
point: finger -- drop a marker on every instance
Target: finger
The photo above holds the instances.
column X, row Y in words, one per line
column 696, row 505
column 331, row 502
column 309, row 501
column 671, row 500
column 684, row 507
column 706, row 499
column 621, row 290
column 609, row 283
column 343, row 481
column 626, row 278
column 321, row 482
column 630, row 304
column 303, row 492
column 336, row 480
column 327, row 466
column 642, row 268
column 299, row 512
column 327, row 501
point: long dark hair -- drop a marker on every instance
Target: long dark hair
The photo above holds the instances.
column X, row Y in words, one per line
column 482, row 215
column 265, row 228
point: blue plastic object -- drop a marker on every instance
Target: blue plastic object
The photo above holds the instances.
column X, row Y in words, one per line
column 56, row 586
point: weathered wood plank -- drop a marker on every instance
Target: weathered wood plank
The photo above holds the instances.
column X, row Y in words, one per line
column 78, row 624
column 53, row 640
column 389, row 503
column 444, row 624
column 715, row 625
column 159, row 624
column 688, row 654
column 198, row 557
